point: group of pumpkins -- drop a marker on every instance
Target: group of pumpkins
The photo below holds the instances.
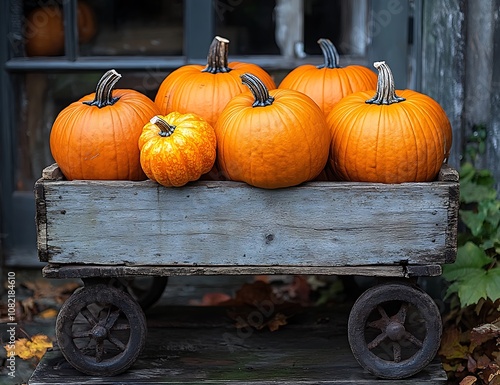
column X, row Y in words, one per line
column 230, row 121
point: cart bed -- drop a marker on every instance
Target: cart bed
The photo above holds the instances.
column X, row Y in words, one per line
column 223, row 227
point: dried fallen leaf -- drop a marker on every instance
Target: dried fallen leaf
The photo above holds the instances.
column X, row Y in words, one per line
column 48, row 313
column 494, row 378
column 451, row 346
column 211, row 299
column 278, row 320
column 483, row 333
column 34, row 347
column 469, row 380
column 42, row 288
column 471, row 364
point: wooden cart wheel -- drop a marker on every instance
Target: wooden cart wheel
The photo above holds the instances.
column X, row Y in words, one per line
column 101, row 330
column 145, row 290
column 394, row 330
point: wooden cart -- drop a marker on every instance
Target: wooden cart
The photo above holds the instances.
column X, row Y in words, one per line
column 108, row 231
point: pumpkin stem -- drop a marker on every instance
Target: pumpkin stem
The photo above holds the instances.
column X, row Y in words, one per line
column 104, row 90
column 166, row 129
column 217, row 56
column 330, row 54
column 386, row 93
column 258, row 89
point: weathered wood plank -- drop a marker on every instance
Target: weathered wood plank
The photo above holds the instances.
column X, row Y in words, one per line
column 444, row 63
column 233, row 224
column 89, row 271
column 189, row 345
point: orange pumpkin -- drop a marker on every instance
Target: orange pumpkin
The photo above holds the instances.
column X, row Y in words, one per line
column 271, row 139
column 44, row 32
column 328, row 83
column 96, row 137
column 393, row 137
column 86, row 21
column 205, row 90
column 177, row 148
column 44, row 29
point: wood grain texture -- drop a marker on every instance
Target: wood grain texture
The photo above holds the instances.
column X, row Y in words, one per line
column 91, row 271
column 233, row 224
column 444, row 53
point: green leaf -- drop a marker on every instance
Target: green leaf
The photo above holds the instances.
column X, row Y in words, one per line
column 481, row 284
column 472, row 289
column 471, row 192
column 493, row 283
column 467, row 172
column 474, row 221
column 470, row 257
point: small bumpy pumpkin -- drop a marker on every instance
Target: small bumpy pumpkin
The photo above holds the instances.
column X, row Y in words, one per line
column 327, row 84
column 205, row 90
column 96, row 136
column 271, row 138
column 393, row 137
column 177, row 148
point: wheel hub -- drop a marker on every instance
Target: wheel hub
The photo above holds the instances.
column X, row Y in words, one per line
column 99, row 333
column 395, row 331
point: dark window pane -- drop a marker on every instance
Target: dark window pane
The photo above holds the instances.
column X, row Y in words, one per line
column 108, row 28
column 252, row 26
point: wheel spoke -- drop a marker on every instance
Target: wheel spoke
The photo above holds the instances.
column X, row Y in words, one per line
column 401, row 314
column 396, row 348
column 377, row 340
column 378, row 324
column 115, row 341
column 87, row 348
column 81, row 334
column 111, row 319
column 382, row 322
column 89, row 316
column 99, row 351
column 414, row 340
column 382, row 312
column 120, row 326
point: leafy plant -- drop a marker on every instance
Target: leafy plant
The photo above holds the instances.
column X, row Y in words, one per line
column 469, row 347
column 476, row 272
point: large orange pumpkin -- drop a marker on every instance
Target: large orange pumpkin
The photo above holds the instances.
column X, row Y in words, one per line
column 393, row 137
column 328, row 83
column 96, row 137
column 271, row 139
column 205, row 90
column 177, row 148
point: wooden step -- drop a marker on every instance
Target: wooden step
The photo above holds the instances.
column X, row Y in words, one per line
column 201, row 345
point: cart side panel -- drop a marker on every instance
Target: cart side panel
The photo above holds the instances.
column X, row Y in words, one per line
column 229, row 223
